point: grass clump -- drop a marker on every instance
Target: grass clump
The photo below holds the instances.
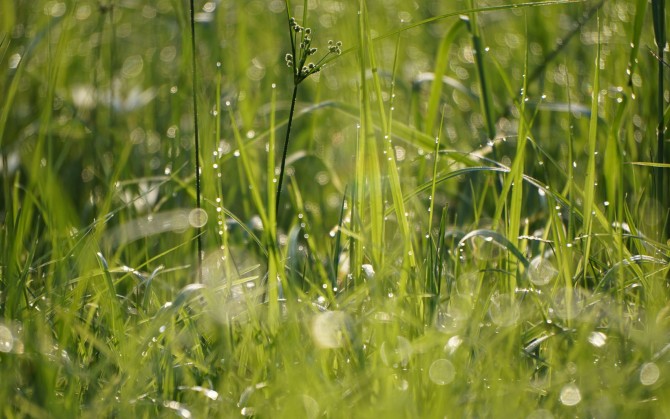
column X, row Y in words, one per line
column 468, row 218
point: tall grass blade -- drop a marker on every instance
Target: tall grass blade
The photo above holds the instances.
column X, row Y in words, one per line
column 590, row 179
column 485, row 99
column 440, row 67
column 660, row 177
column 337, row 245
column 640, row 11
column 372, row 170
column 196, row 134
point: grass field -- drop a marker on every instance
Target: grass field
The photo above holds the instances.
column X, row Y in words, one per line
column 472, row 220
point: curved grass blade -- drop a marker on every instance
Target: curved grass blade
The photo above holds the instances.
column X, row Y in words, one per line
column 610, row 278
column 498, row 238
column 438, row 74
column 485, row 92
column 640, row 11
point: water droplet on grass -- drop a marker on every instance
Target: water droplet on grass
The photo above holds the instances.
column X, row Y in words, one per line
column 568, row 304
column 6, row 339
column 541, row 271
column 504, row 310
column 368, row 270
column 442, row 372
column 197, row 217
column 452, row 344
column 570, row 395
column 649, row 374
column 450, row 320
column 331, row 329
column 398, row 354
column 248, row 411
column 178, row 408
column 597, row 339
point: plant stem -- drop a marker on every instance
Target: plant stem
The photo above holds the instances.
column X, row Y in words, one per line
column 196, row 139
column 658, row 16
column 283, row 158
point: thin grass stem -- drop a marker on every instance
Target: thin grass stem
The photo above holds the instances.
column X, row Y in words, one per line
column 196, row 134
column 285, row 151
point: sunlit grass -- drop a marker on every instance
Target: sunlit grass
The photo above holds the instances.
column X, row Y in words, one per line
column 469, row 224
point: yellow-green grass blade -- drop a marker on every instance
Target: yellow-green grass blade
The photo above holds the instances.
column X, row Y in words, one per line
column 590, row 185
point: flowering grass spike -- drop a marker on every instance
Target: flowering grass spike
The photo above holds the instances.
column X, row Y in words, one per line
column 301, row 50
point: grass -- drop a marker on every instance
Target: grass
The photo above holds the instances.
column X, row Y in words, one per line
column 470, row 219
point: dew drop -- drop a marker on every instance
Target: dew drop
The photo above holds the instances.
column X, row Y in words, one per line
column 197, row 217
column 649, row 374
column 331, row 329
column 442, row 372
column 398, row 354
column 248, row 411
column 570, row 395
column 541, row 271
column 597, row 339
column 368, row 270
column 453, row 343
column 504, row 310
column 6, row 339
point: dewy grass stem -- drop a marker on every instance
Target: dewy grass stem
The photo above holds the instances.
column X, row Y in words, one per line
column 285, row 151
column 658, row 16
column 196, row 139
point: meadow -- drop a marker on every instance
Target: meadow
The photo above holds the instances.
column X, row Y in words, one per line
column 323, row 208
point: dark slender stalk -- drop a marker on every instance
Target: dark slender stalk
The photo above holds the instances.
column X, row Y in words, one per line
column 658, row 16
column 285, row 152
column 197, row 138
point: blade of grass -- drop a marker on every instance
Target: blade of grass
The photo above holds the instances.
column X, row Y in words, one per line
column 391, row 166
column 438, row 72
column 640, row 11
column 662, row 198
column 372, row 171
column 485, row 91
column 196, row 136
column 590, row 180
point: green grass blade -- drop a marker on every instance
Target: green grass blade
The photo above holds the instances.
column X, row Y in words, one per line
column 373, row 176
column 440, row 68
column 660, row 177
column 484, row 88
column 640, row 11
column 590, row 179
